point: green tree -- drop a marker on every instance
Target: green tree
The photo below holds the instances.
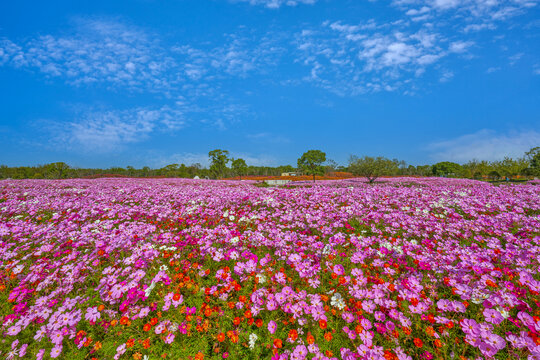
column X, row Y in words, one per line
column 447, row 168
column 239, row 167
column 218, row 163
column 533, row 156
column 57, row 170
column 372, row 168
column 311, row 162
column 509, row 167
column 330, row 167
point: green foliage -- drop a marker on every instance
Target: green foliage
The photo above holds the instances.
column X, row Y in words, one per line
column 509, row 167
column 533, row 156
column 372, row 168
column 218, row 163
column 239, row 167
column 311, row 162
column 447, row 169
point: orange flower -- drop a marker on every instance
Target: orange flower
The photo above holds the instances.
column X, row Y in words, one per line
column 153, row 321
column 278, row 343
column 208, row 311
column 137, row 356
column 430, row 331
column 418, row 342
column 247, row 314
column 323, row 324
column 176, row 297
column 147, row 327
column 407, row 330
column 450, row 324
column 259, row 322
column 230, row 305
column 97, row 345
column 236, row 321
column 293, row 335
column 438, row 343
column 124, row 320
column 199, row 356
column 329, row 353
column 101, row 307
column 146, row 343
column 130, row 343
column 358, row 329
column 328, row 336
column 114, row 322
column 310, row 339
column 221, row 337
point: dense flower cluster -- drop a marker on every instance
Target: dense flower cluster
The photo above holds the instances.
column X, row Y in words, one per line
column 182, row 269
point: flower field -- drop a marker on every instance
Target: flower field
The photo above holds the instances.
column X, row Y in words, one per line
column 186, row 269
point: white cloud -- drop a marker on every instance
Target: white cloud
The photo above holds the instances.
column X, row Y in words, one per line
column 267, row 137
column 446, row 76
column 99, row 51
column 475, row 14
column 107, row 131
column 116, row 55
column 353, row 59
column 238, row 56
column 484, row 145
column 276, row 4
column 460, row 46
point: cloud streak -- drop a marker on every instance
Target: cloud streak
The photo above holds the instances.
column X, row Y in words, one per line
column 354, row 59
column 276, row 4
column 484, row 145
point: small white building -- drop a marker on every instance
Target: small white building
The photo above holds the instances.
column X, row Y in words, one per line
column 277, row 182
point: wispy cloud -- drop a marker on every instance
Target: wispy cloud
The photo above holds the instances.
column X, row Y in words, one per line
column 460, row 46
column 114, row 54
column 479, row 14
column 238, row 56
column 267, row 137
column 98, row 51
column 484, row 145
column 276, row 4
column 107, row 131
column 352, row 59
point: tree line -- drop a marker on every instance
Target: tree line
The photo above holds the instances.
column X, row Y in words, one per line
column 312, row 162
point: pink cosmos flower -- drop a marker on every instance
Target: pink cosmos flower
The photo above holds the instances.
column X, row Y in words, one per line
column 493, row 316
column 272, row 326
column 169, row 338
column 55, row 352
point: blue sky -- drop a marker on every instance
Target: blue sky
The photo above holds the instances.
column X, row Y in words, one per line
column 148, row 82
